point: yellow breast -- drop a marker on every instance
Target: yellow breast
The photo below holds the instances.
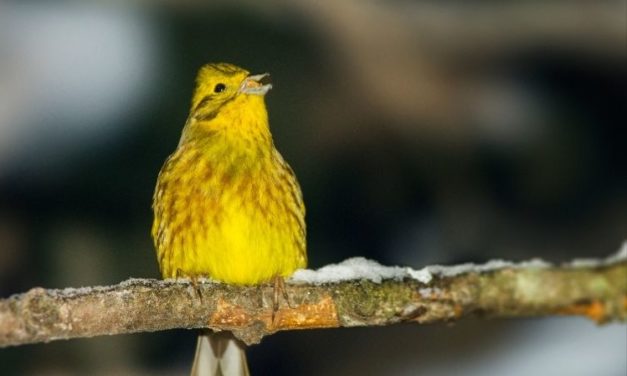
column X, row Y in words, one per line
column 227, row 206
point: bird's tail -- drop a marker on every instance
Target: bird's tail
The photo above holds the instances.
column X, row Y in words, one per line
column 219, row 354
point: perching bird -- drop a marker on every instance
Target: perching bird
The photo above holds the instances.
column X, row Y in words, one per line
column 226, row 205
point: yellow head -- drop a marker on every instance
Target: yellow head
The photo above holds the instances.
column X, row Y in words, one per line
column 225, row 96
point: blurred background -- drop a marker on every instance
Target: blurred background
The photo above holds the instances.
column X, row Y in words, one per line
column 421, row 132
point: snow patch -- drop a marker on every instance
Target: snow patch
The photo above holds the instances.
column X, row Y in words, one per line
column 492, row 265
column 359, row 268
column 423, row 275
column 351, row 269
column 619, row 256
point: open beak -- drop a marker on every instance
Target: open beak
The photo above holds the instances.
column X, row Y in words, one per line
column 254, row 84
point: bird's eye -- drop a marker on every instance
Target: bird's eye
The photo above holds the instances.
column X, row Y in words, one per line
column 219, row 88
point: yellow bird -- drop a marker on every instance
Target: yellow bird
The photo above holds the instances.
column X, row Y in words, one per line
column 227, row 206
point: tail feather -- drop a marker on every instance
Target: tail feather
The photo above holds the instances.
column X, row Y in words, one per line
column 219, row 354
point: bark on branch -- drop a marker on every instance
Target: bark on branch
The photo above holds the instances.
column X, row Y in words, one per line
column 595, row 289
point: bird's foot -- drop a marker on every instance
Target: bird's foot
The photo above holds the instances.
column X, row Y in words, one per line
column 279, row 289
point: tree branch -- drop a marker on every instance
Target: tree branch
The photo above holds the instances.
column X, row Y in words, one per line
column 355, row 293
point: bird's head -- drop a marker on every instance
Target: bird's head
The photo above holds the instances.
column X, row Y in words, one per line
column 220, row 86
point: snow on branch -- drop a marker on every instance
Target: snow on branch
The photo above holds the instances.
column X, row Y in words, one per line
column 356, row 292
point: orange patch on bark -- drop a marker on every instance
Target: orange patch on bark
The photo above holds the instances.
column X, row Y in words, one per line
column 322, row 314
column 227, row 314
column 594, row 310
